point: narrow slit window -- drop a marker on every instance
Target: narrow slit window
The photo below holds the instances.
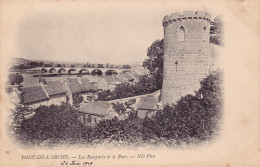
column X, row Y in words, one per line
column 181, row 34
column 204, row 36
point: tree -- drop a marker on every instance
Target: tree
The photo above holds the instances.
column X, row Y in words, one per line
column 100, row 66
column 53, row 124
column 77, row 99
column 48, row 65
column 216, row 31
column 126, row 66
column 193, row 118
column 154, row 62
column 119, row 108
column 107, row 65
column 15, row 78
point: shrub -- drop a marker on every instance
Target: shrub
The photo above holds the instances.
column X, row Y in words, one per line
column 15, row 78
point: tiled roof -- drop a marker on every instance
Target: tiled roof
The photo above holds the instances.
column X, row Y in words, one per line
column 109, row 79
column 94, row 86
column 94, row 79
column 100, row 108
column 148, row 103
column 74, row 85
column 112, row 80
column 121, row 75
column 128, row 76
column 54, row 88
column 141, row 71
column 86, row 85
column 120, row 78
column 33, row 94
column 133, row 73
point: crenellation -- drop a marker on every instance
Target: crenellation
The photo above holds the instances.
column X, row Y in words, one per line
column 186, row 15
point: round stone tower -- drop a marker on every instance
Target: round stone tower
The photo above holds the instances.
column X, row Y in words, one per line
column 186, row 54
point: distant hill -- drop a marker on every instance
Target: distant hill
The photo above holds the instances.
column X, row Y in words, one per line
column 16, row 60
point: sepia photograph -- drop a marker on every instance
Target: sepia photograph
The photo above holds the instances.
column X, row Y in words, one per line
column 124, row 83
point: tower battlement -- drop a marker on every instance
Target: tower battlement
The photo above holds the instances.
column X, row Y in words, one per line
column 186, row 15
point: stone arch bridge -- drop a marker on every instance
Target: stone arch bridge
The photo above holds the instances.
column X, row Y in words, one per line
column 75, row 70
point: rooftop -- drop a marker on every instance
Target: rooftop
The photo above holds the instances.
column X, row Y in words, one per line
column 74, row 85
column 148, row 103
column 129, row 76
column 54, row 88
column 86, row 85
column 99, row 108
column 33, row 94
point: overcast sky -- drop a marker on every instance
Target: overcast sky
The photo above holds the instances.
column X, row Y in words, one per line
column 91, row 32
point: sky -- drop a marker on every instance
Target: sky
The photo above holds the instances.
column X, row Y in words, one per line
column 95, row 32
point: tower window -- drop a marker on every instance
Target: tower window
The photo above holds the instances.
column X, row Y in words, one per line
column 181, row 34
column 204, row 35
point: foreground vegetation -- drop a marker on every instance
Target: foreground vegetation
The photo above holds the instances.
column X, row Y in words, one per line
column 193, row 119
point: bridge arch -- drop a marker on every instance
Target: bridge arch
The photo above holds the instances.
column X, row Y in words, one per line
column 83, row 71
column 61, row 70
column 96, row 72
column 52, row 70
column 111, row 72
column 44, row 70
column 72, row 70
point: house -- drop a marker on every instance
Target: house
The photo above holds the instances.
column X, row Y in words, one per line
column 55, row 92
column 121, row 75
column 142, row 71
column 94, row 82
column 112, row 82
column 103, row 84
column 130, row 77
column 72, row 87
column 34, row 96
column 86, row 85
column 88, row 90
column 147, row 106
column 95, row 111
column 14, row 96
column 108, row 83
column 120, row 79
column 135, row 75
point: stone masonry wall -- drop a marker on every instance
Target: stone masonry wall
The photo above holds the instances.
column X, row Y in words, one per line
column 185, row 62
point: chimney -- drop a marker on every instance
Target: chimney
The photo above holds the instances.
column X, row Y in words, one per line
column 42, row 82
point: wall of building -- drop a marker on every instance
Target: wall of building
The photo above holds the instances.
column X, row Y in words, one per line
column 102, row 84
column 38, row 104
column 57, row 99
column 65, row 86
column 141, row 113
column 112, row 87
